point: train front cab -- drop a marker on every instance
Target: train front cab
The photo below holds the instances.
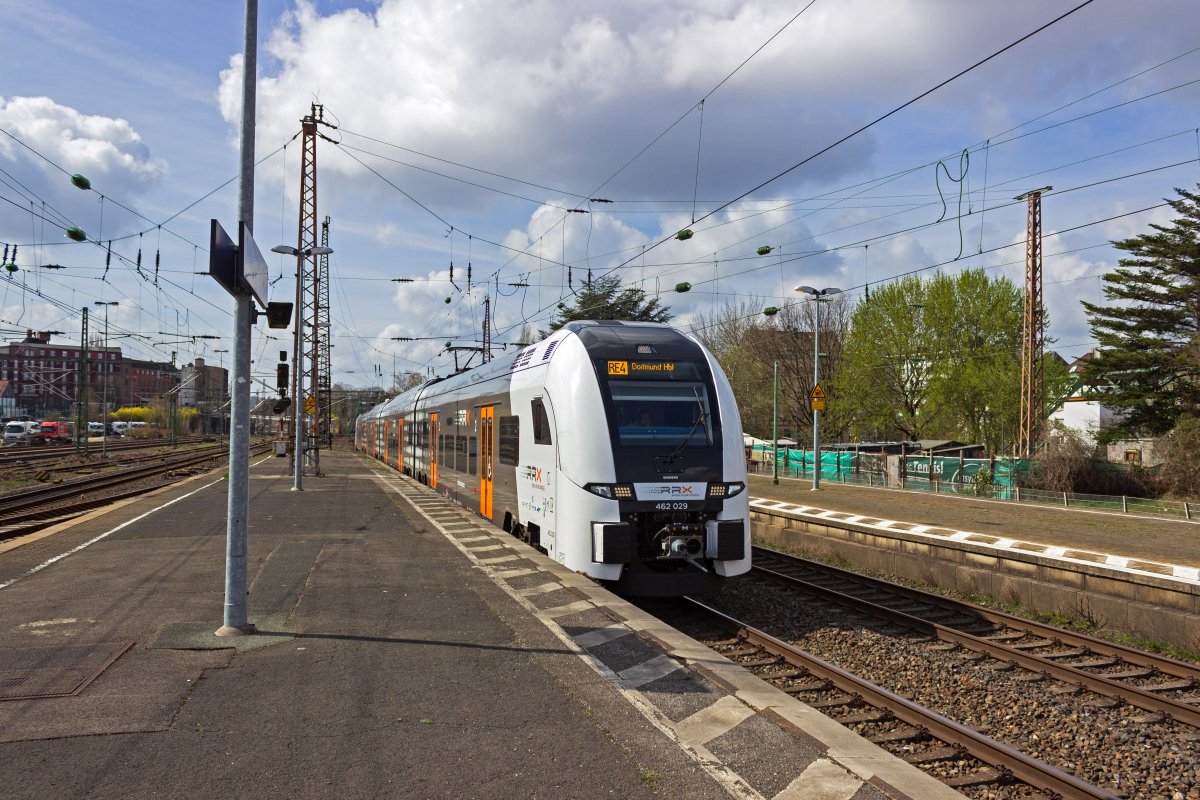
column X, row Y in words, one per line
column 657, row 509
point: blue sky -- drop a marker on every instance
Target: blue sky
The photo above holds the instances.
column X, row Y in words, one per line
column 497, row 117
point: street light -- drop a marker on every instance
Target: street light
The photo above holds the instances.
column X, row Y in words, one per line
column 818, row 295
column 104, row 378
column 297, row 356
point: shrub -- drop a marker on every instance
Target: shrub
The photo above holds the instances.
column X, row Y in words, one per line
column 1069, row 464
column 1180, row 452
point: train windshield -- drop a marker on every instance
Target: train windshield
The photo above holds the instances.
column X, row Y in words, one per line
column 662, row 413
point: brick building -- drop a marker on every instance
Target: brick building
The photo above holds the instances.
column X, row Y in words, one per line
column 45, row 376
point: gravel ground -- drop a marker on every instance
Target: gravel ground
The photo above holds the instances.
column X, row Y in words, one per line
column 1124, row 749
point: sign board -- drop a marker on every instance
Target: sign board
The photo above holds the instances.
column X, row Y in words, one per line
column 310, row 405
column 817, row 393
column 818, row 404
column 253, row 272
column 222, row 258
column 240, row 268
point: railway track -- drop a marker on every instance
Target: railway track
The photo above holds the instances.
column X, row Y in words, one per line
column 33, row 454
column 26, row 511
column 916, row 733
column 1143, row 680
column 1118, row 721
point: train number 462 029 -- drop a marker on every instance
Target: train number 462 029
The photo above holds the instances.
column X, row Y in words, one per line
column 671, row 506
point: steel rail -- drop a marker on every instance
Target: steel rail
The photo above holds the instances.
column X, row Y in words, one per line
column 997, row 754
column 1134, row 695
column 17, row 502
column 31, row 523
column 1170, row 666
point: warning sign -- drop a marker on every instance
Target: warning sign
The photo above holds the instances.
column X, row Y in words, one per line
column 817, row 398
column 310, row 405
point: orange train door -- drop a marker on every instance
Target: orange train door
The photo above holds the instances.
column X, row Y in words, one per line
column 433, row 450
column 400, row 445
column 486, row 447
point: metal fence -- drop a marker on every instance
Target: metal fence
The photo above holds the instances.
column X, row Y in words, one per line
column 999, row 482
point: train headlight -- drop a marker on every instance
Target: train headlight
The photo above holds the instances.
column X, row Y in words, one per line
column 720, row 490
column 611, row 491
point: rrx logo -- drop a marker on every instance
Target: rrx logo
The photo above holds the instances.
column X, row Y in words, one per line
column 673, row 491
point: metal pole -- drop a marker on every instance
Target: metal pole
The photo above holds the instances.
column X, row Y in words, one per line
column 104, row 389
column 817, row 382
column 298, row 371
column 236, row 618
column 81, row 390
column 775, row 425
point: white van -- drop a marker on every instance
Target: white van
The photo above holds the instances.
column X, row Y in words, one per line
column 95, row 428
column 120, row 428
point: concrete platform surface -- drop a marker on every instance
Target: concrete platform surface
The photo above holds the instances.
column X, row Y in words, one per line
column 404, row 649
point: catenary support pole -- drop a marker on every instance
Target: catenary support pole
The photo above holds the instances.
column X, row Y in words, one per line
column 236, row 619
column 775, row 424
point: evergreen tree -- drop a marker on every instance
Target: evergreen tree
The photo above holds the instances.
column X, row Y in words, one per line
column 603, row 298
column 1149, row 332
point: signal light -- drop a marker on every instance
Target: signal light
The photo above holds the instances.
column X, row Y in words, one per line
column 282, row 405
column 281, row 377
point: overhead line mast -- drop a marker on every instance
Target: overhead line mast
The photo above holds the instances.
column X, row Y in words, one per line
column 322, row 377
column 1033, row 343
column 306, row 413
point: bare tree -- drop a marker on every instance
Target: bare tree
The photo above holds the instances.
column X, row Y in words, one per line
column 732, row 334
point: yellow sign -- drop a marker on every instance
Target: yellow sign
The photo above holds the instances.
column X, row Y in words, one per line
column 817, row 393
column 310, row 405
column 618, row 368
column 818, row 404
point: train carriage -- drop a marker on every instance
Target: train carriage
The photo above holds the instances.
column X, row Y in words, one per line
column 615, row 447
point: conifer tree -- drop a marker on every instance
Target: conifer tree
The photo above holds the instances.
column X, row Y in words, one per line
column 603, row 298
column 1149, row 331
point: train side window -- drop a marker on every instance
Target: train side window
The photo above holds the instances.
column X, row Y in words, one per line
column 541, row 425
column 508, row 449
column 460, row 453
column 472, row 456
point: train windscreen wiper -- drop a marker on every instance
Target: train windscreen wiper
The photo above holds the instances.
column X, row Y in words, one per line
column 700, row 420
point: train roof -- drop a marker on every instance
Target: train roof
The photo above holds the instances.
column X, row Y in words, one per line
column 599, row 336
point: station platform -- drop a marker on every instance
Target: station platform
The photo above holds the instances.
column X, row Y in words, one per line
column 1132, row 574
column 404, row 648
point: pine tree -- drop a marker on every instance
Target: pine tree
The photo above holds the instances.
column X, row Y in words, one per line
column 1149, row 332
column 603, row 298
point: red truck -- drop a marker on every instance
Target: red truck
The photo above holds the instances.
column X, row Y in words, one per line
column 56, row 431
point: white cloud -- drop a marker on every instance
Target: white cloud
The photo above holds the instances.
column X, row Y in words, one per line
column 98, row 147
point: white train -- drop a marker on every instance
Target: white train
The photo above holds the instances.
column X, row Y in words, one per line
column 614, row 447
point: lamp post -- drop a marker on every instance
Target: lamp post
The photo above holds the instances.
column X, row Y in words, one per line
column 298, row 356
column 104, row 379
column 818, row 295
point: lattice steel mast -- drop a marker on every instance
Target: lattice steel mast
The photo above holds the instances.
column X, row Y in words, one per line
column 1033, row 342
column 322, row 375
column 305, row 337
